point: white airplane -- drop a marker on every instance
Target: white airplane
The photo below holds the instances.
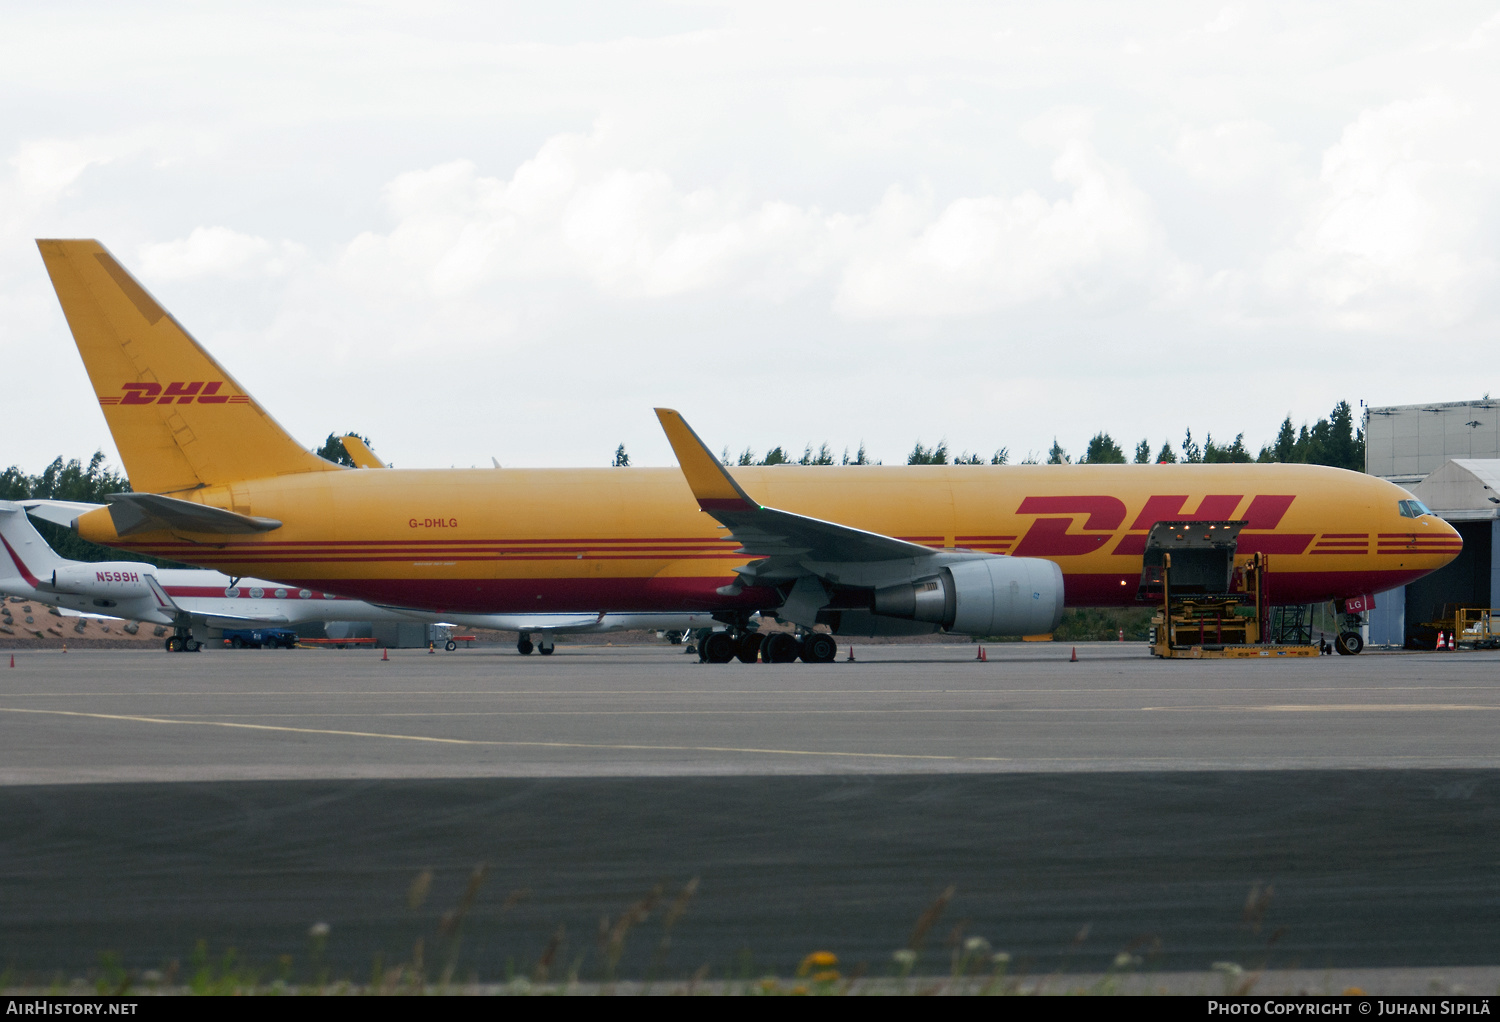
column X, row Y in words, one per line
column 187, row 598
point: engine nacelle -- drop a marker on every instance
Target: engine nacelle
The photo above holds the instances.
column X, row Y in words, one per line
column 982, row 596
column 111, row 580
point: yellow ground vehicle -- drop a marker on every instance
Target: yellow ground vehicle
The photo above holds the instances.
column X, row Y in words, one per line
column 1213, row 601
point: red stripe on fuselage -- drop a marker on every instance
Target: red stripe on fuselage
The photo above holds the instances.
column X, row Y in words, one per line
column 511, row 596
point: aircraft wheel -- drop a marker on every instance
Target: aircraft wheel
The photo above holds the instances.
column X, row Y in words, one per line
column 450, row 645
column 545, row 650
column 747, row 647
column 717, row 648
column 1348, row 643
column 174, row 645
column 780, row 648
column 236, row 643
column 819, row 648
column 524, row 647
column 192, row 645
column 675, row 638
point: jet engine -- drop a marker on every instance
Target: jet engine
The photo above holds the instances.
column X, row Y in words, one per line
column 113, row 580
column 982, row 596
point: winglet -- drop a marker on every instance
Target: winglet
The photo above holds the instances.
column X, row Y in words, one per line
column 360, row 453
column 710, row 482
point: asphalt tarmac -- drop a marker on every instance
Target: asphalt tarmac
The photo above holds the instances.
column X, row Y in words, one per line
column 1340, row 812
column 650, row 711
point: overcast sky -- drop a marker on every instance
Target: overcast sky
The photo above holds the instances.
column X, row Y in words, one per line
column 509, row 230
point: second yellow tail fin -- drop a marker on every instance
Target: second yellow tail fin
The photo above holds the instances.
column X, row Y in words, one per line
column 179, row 420
column 360, row 453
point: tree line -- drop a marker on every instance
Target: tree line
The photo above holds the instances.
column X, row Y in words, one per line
column 1333, row 440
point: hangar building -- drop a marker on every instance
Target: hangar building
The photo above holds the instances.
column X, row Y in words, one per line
column 1448, row 456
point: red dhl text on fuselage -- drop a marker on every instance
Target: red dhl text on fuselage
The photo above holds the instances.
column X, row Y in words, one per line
column 514, row 540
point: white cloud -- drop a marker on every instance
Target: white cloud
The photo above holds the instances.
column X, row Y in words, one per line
column 568, row 212
column 46, row 168
column 634, row 233
column 1401, row 231
column 690, row 201
column 988, row 252
column 216, row 252
column 1235, row 155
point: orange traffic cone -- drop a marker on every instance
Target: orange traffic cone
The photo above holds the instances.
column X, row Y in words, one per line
column 385, row 655
column 850, row 658
column 978, row 652
column 1074, row 658
column 65, row 647
column 13, row 660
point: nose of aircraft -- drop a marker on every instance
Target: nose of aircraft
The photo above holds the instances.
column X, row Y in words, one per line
column 1447, row 532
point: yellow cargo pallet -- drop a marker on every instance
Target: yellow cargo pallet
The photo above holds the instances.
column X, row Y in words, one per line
column 1241, row 652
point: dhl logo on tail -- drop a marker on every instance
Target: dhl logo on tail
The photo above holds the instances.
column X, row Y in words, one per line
column 179, row 392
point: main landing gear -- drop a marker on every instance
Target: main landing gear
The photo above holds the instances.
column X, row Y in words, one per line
column 182, row 641
column 772, row 648
column 1350, row 641
column 543, row 644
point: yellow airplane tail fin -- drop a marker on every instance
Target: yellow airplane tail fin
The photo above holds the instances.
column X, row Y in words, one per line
column 179, row 420
column 360, row 453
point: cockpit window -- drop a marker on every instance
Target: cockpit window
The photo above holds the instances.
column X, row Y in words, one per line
column 1414, row 509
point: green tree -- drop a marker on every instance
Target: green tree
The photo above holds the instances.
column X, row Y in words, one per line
column 1235, row 452
column 776, row 456
column 1058, row 456
column 1103, row 450
column 622, row 460
column 860, row 458
column 1343, row 445
column 1190, row 451
column 928, row 456
column 823, row 457
column 1001, row 457
column 1332, row 441
column 333, row 449
column 1143, row 453
column 1166, row 456
column 1286, row 442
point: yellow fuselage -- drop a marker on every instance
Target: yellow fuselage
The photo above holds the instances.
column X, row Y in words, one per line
column 517, row 540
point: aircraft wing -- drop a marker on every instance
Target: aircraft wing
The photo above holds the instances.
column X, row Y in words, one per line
column 765, row 531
